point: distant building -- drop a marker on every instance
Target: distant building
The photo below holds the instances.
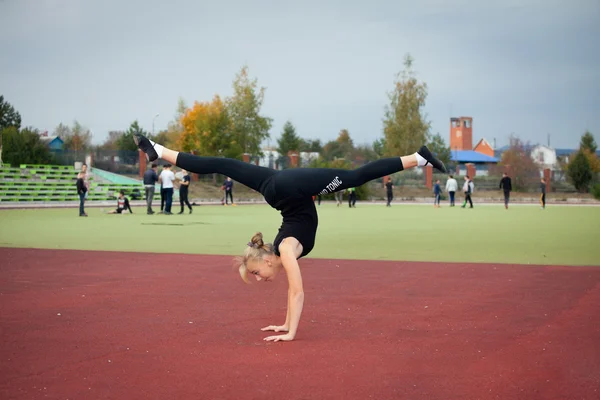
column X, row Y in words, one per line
column 462, row 151
column 53, row 142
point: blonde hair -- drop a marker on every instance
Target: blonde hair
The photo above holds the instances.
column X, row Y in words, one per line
column 255, row 249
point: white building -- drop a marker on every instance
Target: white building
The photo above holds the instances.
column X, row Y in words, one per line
column 544, row 157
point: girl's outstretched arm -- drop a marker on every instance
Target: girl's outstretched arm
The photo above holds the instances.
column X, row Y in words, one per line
column 290, row 249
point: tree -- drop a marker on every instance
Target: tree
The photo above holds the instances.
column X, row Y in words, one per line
column 580, row 172
column 243, row 109
column 24, row 147
column 77, row 138
column 171, row 135
column 8, row 115
column 289, row 140
column 517, row 161
column 342, row 147
column 207, row 130
column 311, row 145
column 588, row 143
column 405, row 126
column 111, row 142
column 588, row 146
column 379, row 146
column 125, row 141
column 438, row 146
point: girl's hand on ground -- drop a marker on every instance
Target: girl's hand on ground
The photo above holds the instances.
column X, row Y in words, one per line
column 275, row 328
column 285, row 338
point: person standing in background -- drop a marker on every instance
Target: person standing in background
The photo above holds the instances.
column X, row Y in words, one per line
column 468, row 189
column 352, row 197
column 451, row 188
column 389, row 188
column 150, row 179
column 183, row 191
column 228, row 185
column 437, row 191
column 167, row 177
column 82, row 192
column 543, row 194
column 506, row 186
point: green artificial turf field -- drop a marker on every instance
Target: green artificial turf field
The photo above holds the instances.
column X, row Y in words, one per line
column 560, row 235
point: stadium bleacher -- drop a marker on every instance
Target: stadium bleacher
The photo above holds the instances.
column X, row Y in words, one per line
column 54, row 183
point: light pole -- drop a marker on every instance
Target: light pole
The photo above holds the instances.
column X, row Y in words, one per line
column 153, row 124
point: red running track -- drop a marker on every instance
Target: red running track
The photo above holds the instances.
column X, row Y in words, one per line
column 104, row 325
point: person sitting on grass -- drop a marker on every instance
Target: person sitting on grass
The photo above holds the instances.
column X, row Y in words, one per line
column 122, row 205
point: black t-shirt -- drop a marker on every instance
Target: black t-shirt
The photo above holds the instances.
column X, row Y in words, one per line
column 186, row 178
column 388, row 186
column 299, row 214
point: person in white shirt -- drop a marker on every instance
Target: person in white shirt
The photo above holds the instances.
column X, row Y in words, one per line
column 451, row 188
column 166, row 178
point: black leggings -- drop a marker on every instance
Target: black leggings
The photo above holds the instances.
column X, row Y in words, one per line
column 296, row 182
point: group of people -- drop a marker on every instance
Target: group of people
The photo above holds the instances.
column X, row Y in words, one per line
column 506, row 186
column 167, row 179
column 468, row 188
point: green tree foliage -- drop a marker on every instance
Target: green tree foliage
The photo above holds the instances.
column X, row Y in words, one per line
column 289, row 140
column 311, row 145
column 249, row 127
column 405, row 125
column 580, row 172
column 8, row 115
column 125, row 141
column 438, row 146
column 24, row 147
column 379, row 147
column 588, row 143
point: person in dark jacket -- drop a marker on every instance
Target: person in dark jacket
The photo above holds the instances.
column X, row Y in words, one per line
column 437, row 191
column 389, row 189
column 506, row 186
column 184, row 190
column 543, row 194
column 150, row 179
column 81, row 191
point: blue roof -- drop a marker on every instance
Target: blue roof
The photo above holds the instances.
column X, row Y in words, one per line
column 471, row 156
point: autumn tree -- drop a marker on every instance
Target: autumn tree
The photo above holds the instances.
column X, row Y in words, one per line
column 342, row 147
column 170, row 136
column 207, row 130
column 588, row 146
column 249, row 127
column 405, row 125
column 75, row 138
column 518, row 162
column 111, row 140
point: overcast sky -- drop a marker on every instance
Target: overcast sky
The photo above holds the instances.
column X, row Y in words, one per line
column 531, row 67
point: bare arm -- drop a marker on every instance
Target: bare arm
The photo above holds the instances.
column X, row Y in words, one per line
column 290, row 250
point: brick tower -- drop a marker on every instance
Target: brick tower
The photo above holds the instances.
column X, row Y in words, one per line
column 461, row 133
